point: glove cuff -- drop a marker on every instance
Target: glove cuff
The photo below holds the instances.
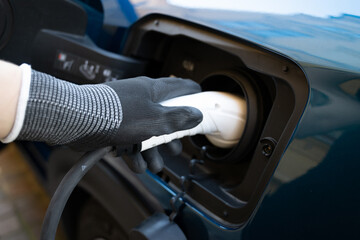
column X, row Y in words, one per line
column 22, row 102
column 60, row 112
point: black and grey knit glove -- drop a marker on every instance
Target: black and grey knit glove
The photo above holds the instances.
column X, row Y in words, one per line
column 116, row 113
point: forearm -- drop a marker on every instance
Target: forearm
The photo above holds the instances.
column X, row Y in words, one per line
column 10, row 85
column 59, row 112
column 38, row 107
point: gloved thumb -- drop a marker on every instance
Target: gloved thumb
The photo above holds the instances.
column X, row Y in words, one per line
column 179, row 118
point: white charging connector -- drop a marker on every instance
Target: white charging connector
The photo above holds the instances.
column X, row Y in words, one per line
column 224, row 119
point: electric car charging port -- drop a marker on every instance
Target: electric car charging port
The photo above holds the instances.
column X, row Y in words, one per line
column 223, row 183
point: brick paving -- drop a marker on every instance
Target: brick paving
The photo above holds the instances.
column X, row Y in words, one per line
column 23, row 201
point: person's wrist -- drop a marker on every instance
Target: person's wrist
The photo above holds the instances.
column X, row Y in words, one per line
column 59, row 112
column 11, row 82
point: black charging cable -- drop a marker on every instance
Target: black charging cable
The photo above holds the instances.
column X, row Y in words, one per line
column 64, row 190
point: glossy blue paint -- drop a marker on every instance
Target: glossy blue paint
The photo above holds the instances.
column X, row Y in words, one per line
column 299, row 36
column 118, row 13
column 313, row 193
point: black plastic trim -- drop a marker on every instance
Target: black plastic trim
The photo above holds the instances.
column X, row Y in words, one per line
column 49, row 44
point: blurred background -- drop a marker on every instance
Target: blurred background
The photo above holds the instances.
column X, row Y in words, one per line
column 23, row 201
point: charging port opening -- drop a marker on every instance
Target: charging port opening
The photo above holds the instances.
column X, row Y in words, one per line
column 239, row 84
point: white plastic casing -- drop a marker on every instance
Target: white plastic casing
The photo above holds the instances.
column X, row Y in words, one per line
column 224, row 119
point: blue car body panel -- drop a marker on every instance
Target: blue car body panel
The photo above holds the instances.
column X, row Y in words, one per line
column 298, row 36
column 314, row 191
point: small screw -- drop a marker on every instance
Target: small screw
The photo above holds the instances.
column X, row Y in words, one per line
column 268, row 146
column 267, row 150
column 156, row 22
column 285, row 68
column 225, row 213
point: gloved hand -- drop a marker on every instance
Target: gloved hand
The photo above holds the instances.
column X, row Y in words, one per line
column 144, row 117
column 91, row 116
column 152, row 118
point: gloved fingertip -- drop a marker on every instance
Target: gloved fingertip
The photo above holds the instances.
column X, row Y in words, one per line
column 178, row 118
column 137, row 163
column 174, row 147
column 194, row 115
column 157, row 165
column 154, row 160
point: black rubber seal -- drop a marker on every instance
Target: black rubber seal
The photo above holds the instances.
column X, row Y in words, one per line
column 239, row 83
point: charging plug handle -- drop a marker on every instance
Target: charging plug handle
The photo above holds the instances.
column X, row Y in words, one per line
column 224, row 119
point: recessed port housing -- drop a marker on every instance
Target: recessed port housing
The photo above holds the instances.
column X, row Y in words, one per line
column 225, row 184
